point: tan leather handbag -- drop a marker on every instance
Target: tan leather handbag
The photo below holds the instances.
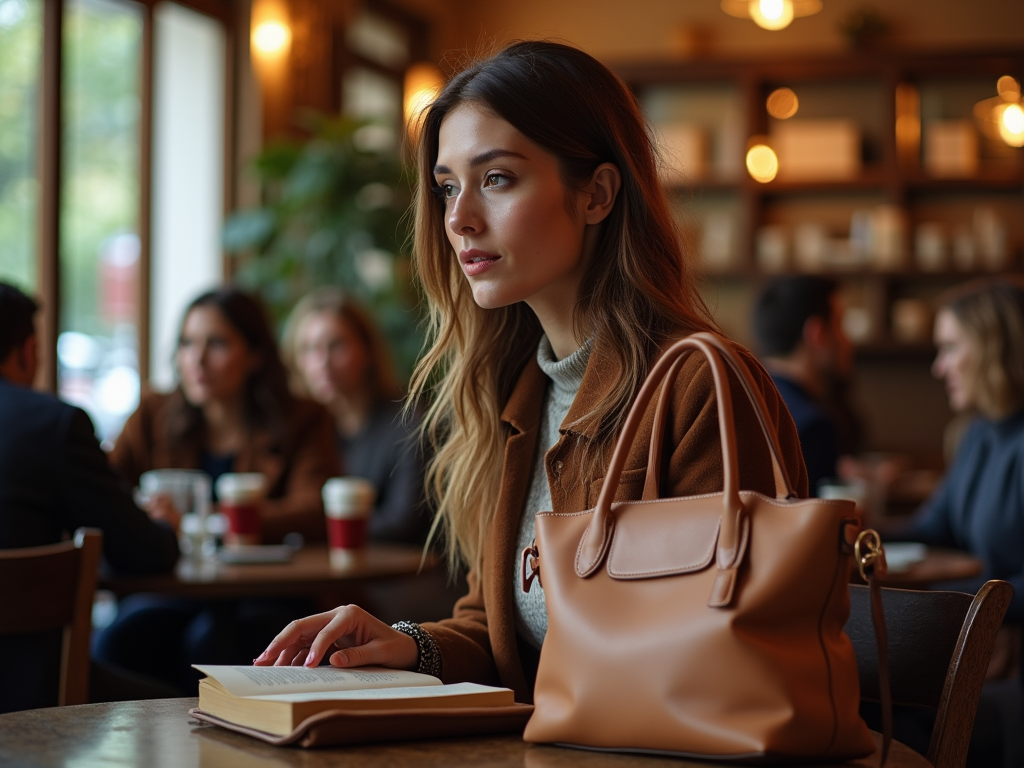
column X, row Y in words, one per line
column 708, row 626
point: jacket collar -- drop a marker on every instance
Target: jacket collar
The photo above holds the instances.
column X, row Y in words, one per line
column 523, row 409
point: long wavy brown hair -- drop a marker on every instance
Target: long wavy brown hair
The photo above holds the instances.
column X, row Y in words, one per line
column 638, row 290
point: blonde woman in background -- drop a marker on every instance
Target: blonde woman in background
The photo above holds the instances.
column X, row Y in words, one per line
column 336, row 356
column 979, row 507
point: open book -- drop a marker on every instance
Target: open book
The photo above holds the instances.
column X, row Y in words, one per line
column 277, row 699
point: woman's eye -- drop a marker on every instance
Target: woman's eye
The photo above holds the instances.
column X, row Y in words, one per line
column 448, row 191
column 494, row 180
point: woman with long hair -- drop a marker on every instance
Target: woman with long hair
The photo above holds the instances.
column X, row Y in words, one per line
column 336, row 356
column 979, row 507
column 554, row 276
column 232, row 411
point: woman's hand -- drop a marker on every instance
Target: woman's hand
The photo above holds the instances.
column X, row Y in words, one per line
column 160, row 507
column 362, row 640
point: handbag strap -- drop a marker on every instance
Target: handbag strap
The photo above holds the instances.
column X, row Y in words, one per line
column 733, row 534
column 652, row 483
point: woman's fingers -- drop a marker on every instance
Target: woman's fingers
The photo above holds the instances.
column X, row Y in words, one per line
column 297, row 633
column 349, row 623
column 363, row 640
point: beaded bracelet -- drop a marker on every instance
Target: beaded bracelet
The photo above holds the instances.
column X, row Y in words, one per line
column 430, row 656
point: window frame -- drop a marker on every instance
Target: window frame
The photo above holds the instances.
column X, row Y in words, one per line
column 49, row 169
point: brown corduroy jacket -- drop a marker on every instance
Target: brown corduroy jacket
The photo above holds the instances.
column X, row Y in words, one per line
column 296, row 468
column 479, row 642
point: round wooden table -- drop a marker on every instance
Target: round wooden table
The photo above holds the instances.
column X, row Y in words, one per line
column 308, row 573
column 159, row 734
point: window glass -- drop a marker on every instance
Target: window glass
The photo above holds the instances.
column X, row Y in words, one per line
column 20, row 60
column 188, row 172
column 97, row 349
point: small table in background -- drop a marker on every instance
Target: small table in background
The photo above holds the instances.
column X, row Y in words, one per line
column 308, row 574
column 939, row 565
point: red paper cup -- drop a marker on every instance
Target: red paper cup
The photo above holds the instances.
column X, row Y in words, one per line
column 240, row 494
column 243, row 522
column 348, row 503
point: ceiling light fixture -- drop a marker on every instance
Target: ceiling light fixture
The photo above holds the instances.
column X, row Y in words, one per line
column 771, row 14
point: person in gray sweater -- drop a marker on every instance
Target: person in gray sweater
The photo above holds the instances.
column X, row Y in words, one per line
column 337, row 356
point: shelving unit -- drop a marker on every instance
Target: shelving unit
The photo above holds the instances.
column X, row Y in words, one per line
column 725, row 102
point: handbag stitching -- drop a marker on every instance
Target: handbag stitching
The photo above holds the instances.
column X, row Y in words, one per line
column 771, row 500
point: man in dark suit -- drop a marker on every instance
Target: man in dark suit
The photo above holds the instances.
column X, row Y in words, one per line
column 54, row 478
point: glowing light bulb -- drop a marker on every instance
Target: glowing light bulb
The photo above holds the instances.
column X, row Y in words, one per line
column 1008, row 88
column 771, row 14
column 1011, row 125
column 422, row 84
column 782, row 104
column 762, row 163
column 270, row 37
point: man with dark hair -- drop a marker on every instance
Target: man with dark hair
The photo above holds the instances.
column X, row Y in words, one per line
column 800, row 338
column 55, row 478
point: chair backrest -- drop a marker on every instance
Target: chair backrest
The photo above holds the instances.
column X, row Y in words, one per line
column 939, row 649
column 50, row 588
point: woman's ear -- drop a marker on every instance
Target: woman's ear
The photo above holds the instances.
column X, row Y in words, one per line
column 602, row 190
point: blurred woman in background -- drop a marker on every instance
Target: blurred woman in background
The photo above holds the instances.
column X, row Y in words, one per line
column 232, row 411
column 337, row 356
column 979, row 506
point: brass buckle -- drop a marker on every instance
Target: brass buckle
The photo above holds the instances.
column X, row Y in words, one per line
column 870, row 554
column 530, row 567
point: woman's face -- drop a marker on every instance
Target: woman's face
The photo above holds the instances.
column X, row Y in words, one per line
column 214, row 359
column 957, row 360
column 506, row 213
column 331, row 357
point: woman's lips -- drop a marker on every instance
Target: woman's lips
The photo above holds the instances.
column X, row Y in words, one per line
column 475, row 262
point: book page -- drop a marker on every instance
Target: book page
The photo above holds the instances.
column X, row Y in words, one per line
column 418, row 692
column 253, row 681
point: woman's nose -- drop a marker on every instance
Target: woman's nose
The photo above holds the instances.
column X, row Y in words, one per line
column 464, row 216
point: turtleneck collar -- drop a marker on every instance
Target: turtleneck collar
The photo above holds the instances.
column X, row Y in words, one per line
column 566, row 374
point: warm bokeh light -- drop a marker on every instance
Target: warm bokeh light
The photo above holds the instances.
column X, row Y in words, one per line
column 270, row 37
column 1008, row 88
column 1011, row 125
column 422, row 84
column 772, row 14
column 782, row 103
column 762, row 163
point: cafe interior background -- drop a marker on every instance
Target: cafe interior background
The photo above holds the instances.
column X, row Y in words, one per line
column 151, row 149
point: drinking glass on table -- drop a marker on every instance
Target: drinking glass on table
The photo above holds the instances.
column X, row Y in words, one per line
column 189, row 492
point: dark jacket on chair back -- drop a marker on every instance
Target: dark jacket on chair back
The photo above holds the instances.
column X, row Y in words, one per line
column 54, row 478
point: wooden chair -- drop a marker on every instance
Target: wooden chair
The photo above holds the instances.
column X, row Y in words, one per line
column 939, row 649
column 50, row 588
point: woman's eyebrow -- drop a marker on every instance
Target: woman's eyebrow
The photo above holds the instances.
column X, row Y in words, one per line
column 483, row 157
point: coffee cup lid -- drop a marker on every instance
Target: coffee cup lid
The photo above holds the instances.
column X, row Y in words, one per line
column 349, row 491
column 240, row 484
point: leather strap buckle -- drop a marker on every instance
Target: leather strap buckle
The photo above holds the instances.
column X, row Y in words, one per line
column 530, row 567
column 870, row 555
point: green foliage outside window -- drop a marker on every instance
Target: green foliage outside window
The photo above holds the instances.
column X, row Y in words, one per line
column 334, row 214
column 21, row 35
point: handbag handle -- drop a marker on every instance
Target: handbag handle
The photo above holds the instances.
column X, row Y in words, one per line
column 652, row 484
column 734, row 526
